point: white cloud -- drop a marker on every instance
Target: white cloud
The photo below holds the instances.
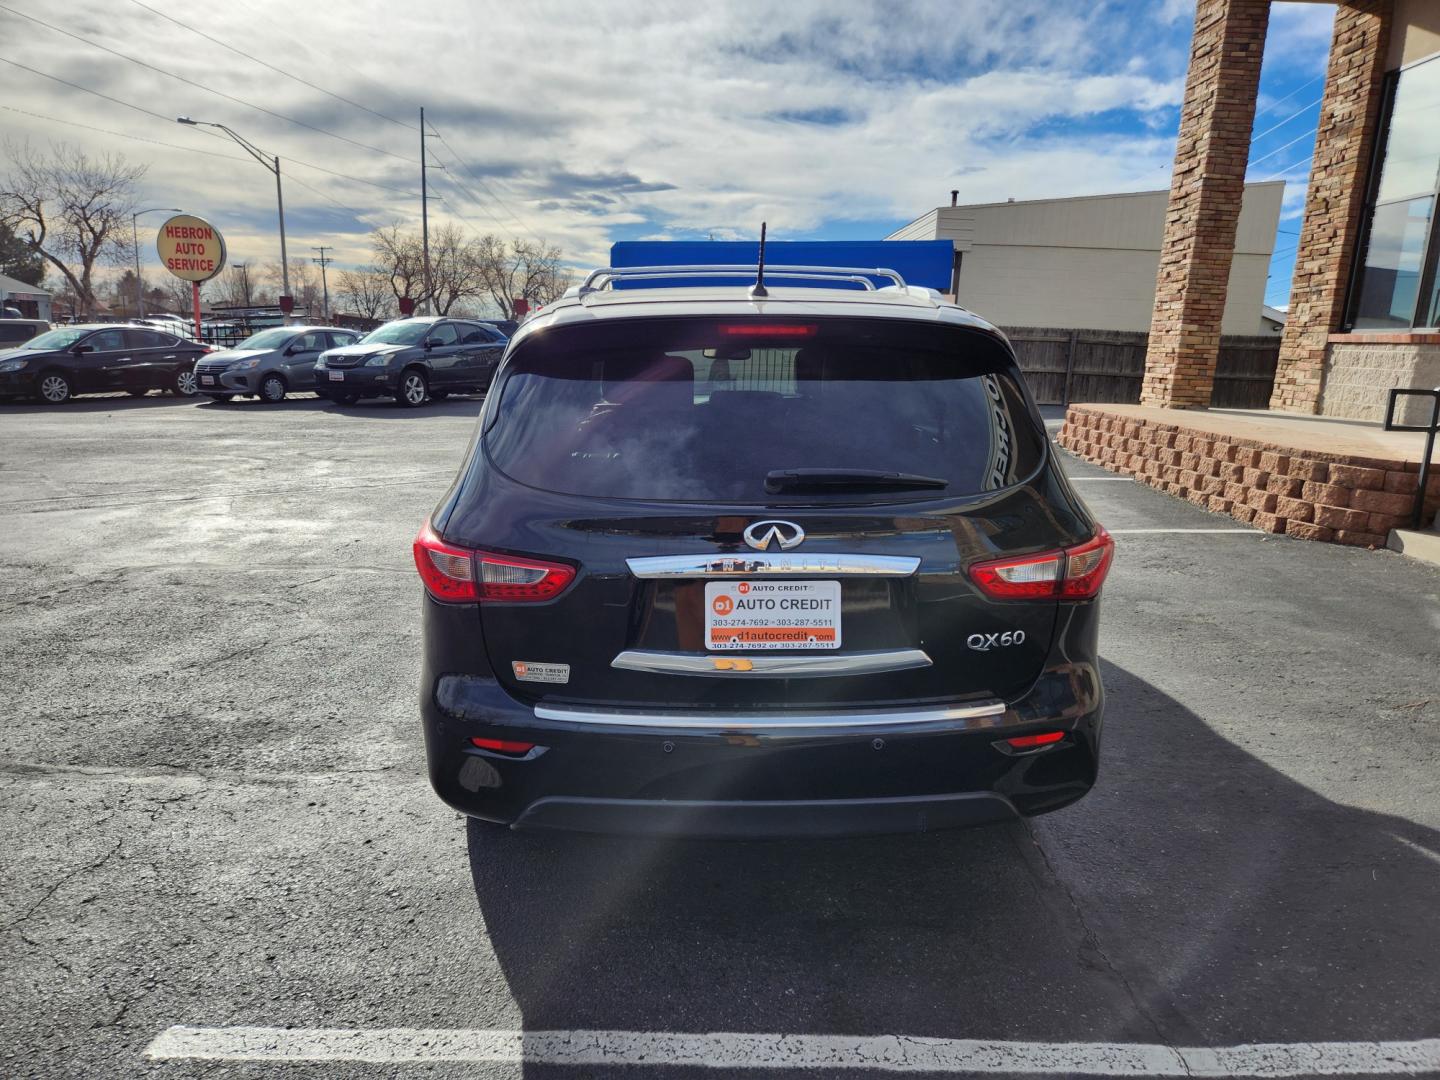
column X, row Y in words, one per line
column 665, row 118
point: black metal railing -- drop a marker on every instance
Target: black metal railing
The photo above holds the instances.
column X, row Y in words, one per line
column 1428, row 429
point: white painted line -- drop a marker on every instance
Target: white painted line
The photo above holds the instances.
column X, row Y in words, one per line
column 1151, row 532
column 738, row 1050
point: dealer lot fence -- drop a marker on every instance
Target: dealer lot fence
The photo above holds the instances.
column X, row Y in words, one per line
column 1108, row 366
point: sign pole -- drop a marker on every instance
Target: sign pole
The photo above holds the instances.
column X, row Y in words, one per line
column 195, row 300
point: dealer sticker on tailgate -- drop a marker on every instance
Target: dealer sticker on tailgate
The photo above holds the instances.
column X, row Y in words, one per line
column 772, row 615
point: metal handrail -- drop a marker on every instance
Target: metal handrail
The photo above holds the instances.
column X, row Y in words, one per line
column 610, row 274
column 1429, row 431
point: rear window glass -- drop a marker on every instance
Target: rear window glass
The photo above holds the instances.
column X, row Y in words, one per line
column 707, row 411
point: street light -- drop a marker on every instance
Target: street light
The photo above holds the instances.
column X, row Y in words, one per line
column 135, row 241
column 271, row 163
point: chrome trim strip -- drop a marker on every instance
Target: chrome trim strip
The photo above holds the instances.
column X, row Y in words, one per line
column 758, row 563
column 817, row 663
column 981, row 716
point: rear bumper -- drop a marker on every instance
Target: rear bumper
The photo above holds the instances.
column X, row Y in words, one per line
column 758, row 819
column 841, row 771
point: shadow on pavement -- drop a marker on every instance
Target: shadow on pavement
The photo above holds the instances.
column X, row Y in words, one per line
column 1197, row 896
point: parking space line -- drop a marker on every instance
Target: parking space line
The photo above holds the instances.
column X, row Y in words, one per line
column 774, row 1052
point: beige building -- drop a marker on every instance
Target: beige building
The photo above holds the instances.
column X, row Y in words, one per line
column 1090, row 262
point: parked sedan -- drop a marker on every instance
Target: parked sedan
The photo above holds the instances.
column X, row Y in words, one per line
column 99, row 359
column 269, row 364
column 413, row 361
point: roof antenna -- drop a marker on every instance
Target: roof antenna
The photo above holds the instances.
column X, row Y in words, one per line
column 758, row 289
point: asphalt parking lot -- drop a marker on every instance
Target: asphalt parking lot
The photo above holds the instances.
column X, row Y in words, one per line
column 213, row 813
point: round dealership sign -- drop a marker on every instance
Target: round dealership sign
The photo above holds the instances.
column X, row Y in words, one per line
column 191, row 248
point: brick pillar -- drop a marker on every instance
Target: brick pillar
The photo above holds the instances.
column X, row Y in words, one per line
column 1205, row 194
column 1335, row 201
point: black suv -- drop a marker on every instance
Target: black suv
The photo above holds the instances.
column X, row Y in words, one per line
column 413, row 361
column 722, row 565
column 99, row 359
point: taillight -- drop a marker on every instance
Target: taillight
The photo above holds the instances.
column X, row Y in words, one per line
column 1069, row 574
column 768, row 329
column 504, row 577
column 459, row 574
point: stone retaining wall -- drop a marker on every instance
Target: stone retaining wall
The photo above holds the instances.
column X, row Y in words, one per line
column 1332, row 497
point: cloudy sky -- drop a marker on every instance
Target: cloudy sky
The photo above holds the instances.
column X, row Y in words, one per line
column 585, row 123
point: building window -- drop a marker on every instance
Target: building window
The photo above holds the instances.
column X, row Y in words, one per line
column 1396, row 285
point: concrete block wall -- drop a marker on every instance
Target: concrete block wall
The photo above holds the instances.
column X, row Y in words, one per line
column 1329, row 497
column 1361, row 369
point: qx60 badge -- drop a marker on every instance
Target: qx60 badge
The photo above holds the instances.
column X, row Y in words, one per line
column 986, row 642
column 762, row 534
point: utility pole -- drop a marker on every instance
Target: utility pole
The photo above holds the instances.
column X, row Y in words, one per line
column 425, row 212
column 323, row 261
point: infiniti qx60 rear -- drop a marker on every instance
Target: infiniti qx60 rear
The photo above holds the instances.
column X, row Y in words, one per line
column 726, row 564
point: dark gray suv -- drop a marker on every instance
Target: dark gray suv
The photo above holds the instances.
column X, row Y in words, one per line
column 413, row 361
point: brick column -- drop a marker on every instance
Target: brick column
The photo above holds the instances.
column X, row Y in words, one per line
column 1334, row 202
column 1205, row 194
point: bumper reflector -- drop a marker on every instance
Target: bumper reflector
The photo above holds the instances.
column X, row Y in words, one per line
column 1030, row 742
column 504, row 746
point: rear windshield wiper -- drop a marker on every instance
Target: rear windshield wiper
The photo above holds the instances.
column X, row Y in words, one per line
column 796, row 479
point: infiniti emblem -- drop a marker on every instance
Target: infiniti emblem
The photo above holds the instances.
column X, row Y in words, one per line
column 785, row 533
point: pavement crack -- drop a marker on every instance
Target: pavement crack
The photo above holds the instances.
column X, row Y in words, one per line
column 65, row 879
column 1090, row 941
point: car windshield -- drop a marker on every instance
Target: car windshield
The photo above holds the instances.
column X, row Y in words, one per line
column 698, row 410
column 398, row 333
column 56, row 339
column 268, row 339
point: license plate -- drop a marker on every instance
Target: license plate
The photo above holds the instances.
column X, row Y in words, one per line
column 207, row 380
column 743, row 615
column 337, row 376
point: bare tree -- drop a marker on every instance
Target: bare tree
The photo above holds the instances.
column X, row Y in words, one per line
column 457, row 269
column 304, row 283
column 367, row 293
column 521, row 270
column 400, row 257
column 71, row 209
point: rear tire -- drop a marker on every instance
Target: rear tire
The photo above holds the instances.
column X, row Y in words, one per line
column 186, row 383
column 272, row 389
column 414, row 389
column 53, row 388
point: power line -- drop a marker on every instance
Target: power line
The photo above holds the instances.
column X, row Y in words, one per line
column 1276, row 104
column 121, row 134
column 1256, row 138
column 480, row 180
column 201, row 86
column 176, row 146
column 1272, row 153
column 272, row 67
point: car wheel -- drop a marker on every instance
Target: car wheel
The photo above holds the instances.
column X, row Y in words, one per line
column 414, row 389
column 54, row 388
column 272, row 389
column 137, row 393
column 186, row 384
column 220, row 399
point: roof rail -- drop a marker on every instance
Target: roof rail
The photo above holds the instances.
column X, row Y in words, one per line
column 608, row 275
